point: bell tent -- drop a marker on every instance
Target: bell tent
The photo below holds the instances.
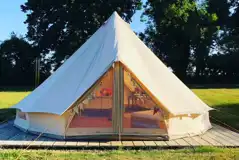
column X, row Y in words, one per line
column 113, row 85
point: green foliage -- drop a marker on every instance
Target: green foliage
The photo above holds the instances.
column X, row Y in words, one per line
column 177, row 30
column 55, row 30
column 62, row 26
column 197, row 39
column 186, row 35
column 16, row 62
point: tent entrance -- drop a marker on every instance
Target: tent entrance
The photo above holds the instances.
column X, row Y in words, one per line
column 116, row 105
column 93, row 114
column 141, row 115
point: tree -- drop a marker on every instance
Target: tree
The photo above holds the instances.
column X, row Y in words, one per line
column 226, row 61
column 180, row 33
column 16, row 62
column 208, row 29
column 60, row 27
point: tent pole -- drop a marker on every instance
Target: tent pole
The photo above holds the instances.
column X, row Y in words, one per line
column 121, row 98
column 118, row 99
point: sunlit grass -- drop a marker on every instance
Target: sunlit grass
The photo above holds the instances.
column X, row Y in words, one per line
column 226, row 101
column 8, row 99
column 216, row 97
column 201, row 153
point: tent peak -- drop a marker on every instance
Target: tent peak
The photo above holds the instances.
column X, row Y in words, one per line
column 113, row 17
column 115, row 13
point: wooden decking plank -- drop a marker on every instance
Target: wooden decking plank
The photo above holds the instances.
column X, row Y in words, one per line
column 211, row 140
column 93, row 144
column 40, row 140
column 116, row 143
column 128, row 143
column 150, row 143
column 227, row 133
column 201, row 141
column 4, row 129
column 231, row 141
column 172, row 143
column 23, row 139
column 37, row 143
column 71, row 144
column 105, row 144
column 28, row 139
column 182, row 142
column 218, row 139
column 48, row 144
column 82, row 143
column 217, row 136
column 10, row 143
column 20, row 136
column 17, row 140
column 161, row 143
column 59, row 144
column 225, row 129
column 4, row 126
column 138, row 143
column 9, row 133
column 191, row 141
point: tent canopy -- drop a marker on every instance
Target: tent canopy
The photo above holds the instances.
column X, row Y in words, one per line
column 113, row 41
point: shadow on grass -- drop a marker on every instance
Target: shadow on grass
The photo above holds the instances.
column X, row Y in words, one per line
column 16, row 89
column 7, row 114
column 213, row 86
column 228, row 113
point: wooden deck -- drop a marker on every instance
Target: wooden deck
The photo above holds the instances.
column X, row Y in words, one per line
column 11, row 137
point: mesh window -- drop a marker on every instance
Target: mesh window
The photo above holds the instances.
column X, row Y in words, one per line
column 96, row 110
column 140, row 111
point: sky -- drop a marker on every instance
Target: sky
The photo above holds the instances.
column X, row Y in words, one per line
column 12, row 19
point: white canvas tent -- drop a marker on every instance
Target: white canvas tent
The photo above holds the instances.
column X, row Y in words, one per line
column 113, row 84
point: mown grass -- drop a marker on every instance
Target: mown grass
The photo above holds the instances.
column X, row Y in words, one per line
column 8, row 99
column 202, row 153
column 225, row 102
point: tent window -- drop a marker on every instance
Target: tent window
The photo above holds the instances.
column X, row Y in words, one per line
column 140, row 111
column 22, row 115
column 95, row 111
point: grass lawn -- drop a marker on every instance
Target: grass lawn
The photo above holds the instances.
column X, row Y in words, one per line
column 201, row 153
column 7, row 99
column 225, row 100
